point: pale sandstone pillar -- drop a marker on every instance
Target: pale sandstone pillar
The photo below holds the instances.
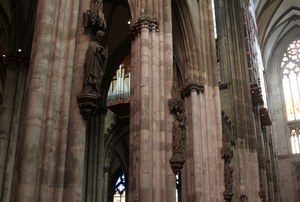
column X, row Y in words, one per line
column 74, row 168
column 49, row 132
column 203, row 173
column 150, row 174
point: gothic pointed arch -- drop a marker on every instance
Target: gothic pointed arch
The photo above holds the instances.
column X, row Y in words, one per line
column 282, row 129
column 185, row 41
column 116, row 155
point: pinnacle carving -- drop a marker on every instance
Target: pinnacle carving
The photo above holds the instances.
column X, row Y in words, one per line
column 94, row 17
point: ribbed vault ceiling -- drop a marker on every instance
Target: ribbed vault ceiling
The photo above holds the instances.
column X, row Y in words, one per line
column 275, row 19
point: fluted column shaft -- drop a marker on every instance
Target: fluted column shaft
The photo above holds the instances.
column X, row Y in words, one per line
column 10, row 120
column 204, row 167
column 150, row 174
column 45, row 133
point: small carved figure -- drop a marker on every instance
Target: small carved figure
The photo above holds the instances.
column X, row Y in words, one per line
column 96, row 6
column 179, row 134
column 96, row 59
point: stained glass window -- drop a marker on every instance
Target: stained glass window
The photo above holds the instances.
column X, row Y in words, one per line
column 120, row 189
column 290, row 66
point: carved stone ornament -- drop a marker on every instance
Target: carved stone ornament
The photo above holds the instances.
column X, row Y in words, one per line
column 143, row 22
column 176, row 106
column 227, row 155
column 262, row 195
column 192, row 87
column 243, row 198
column 88, row 103
column 179, row 134
column 94, row 18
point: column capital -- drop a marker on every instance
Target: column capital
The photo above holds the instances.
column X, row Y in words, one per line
column 192, row 87
column 143, row 22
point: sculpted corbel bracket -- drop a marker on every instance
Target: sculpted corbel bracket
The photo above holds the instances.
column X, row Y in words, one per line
column 94, row 17
column 177, row 109
column 192, row 87
column 227, row 155
column 143, row 22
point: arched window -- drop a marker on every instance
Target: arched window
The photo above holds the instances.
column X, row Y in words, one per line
column 120, row 189
column 290, row 68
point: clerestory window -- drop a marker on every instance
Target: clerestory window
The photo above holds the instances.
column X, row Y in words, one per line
column 290, row 68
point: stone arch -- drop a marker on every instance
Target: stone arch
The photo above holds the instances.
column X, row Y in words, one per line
column 277, row 109
column 116, row 144
column 185, row 48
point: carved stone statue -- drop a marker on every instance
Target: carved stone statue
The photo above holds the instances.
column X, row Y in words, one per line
column 179, row 134
column 89, row 99
column 96, row 59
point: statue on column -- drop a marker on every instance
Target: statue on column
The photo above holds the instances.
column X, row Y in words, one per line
column 177, row 109
column 179, row 134
column 89, row 100
column 96, row 59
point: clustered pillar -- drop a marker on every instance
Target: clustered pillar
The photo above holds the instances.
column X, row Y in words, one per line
column 50, row 152
column 150, row 174
column 234, row 73
column 17, row 66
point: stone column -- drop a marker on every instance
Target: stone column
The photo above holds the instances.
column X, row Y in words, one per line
column 94, row 173
column 52, row 134
column 234, row 72
column 17, row 64
column 150, row 174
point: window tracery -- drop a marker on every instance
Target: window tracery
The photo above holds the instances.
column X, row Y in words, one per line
column 290, row 67
column 290, row 71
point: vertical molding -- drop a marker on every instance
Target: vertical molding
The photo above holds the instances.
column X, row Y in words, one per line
column 28, row 155
column 235, row 73
column 152, row 72
column 40, row 174
column 76, row 140
column 10, row 119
